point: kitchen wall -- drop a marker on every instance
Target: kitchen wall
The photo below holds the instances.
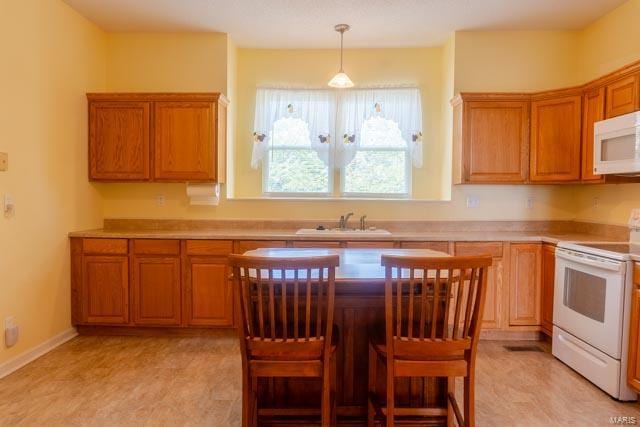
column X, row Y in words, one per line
column 430, row 68
column 51, row 56
column 609, row 43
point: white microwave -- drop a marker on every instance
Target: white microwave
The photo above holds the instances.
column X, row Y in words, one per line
column 617, row 145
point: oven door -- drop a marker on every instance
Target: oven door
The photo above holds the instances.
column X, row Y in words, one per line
column 589, row 299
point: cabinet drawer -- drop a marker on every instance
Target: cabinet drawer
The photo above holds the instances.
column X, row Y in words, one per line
column 479, row 248
column 156, row 247
column 373, row 245
column 105, row 246
column 636, row 273
column 209, row 247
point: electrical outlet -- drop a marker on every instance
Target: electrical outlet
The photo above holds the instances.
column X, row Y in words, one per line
column 8, row 205
column 160, row 200
column 11, row 332
column 4, row 162
column 530, row 203
column 473, row 202
column 596, row 202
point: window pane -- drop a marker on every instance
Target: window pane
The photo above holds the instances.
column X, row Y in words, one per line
column 290, row 131
column 381, row 172
column 379, row 132
column 296, row 171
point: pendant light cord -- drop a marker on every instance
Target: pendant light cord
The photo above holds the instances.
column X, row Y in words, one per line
column 341, row 49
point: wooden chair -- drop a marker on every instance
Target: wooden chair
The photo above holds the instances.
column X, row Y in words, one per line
column 433, row 315
column 285, row 309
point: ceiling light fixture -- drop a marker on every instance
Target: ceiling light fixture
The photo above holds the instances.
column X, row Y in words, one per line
column 341, row 80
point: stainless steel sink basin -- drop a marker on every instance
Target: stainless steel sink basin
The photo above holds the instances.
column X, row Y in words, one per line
column 336, row 232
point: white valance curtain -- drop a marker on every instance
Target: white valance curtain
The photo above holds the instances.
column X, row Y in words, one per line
column 335, row 120
column 315, row 107
column 400, row 105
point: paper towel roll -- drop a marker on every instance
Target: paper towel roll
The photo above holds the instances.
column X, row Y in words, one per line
column 203, row 194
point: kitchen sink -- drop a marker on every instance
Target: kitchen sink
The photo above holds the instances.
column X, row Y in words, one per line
column 336, row 232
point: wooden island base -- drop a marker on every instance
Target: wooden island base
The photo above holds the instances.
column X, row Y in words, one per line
column 359, row 308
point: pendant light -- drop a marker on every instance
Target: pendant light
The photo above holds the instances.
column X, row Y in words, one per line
column 341, row 80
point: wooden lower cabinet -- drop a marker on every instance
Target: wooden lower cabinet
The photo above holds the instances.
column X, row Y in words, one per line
column 492, row 318
column 104, row 290
column 156, row 289
column 547, row 288
column 208, row 292
column 524, row 284
column 633, row 366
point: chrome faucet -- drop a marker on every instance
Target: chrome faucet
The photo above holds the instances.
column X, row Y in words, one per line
column 362, row 222
column 343, row 221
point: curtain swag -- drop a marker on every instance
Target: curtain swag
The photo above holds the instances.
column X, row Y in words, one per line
column 327, row 112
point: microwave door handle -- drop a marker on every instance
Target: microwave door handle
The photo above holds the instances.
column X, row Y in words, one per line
column 589, row 261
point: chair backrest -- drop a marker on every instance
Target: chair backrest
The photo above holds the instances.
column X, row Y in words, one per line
column 433, row 306
column 286, row 303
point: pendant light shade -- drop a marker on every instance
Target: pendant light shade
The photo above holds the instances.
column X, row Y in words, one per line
column 341, row 80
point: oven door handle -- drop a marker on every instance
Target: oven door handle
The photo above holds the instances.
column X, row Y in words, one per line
column 606, row 265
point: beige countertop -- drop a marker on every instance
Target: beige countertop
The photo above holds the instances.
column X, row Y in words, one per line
column 253, row 234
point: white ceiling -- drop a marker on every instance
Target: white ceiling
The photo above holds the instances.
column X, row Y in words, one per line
column 309, row 23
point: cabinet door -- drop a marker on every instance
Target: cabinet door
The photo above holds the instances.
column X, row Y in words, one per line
column 492, row 317
column 548, row 284
column 592, row 111
column 105, row 290
column 524, row 284
column 555, row 139
column 208, row 292
column 623, row 96
column 496, row 141
column 119, row 141
column 633, row 367
column 156, row 291
column 184, row 141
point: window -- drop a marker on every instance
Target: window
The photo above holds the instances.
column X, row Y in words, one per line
column 378, row 141
column 292, row 166
column 381, row 165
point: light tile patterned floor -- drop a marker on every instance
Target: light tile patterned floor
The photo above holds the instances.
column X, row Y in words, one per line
column 122, row 381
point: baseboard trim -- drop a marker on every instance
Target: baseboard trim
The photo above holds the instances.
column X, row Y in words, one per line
column 32, row 354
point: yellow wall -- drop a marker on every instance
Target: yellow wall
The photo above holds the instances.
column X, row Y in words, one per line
column 515, row 61
column 611, row 42
column 51, row 56
column 314, row 68
column 179, row 62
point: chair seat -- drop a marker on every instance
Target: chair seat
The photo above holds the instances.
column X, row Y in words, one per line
column 421, row 349
column 291, row 349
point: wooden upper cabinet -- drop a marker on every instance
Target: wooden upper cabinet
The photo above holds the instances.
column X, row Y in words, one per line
column 623, row 96
column 157, row 136
column 119, row 141
column 555, row 139
column 184, row 141
column 524, row 284
column 592, row 111
column 494, row 145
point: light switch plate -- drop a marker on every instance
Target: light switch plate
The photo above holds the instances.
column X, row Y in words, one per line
column 4, row 162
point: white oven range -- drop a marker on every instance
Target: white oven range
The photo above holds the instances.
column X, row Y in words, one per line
column 592, row 299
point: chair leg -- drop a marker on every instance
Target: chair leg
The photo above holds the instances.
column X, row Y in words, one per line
column 326, row 395
column 390, row 397
column 247, row 401
column 371, row 386
column 469, row 401
column 451, row 388
column 254, row 402
column 334, row 379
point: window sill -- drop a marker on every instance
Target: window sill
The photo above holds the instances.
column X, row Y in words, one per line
column 335, row 199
